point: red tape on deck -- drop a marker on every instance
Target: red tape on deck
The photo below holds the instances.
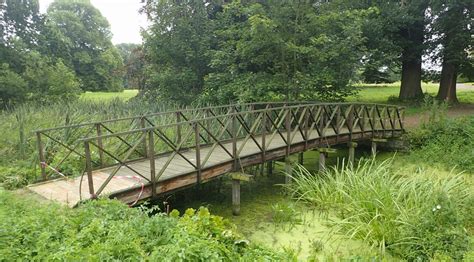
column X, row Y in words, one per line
column 44, row 164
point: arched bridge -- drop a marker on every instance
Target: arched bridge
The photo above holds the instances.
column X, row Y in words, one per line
column 140, row 157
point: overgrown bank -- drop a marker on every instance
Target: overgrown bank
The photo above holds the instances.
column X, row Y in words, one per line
column 107, row 230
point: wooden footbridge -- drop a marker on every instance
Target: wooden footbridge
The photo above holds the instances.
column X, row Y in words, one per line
column 136, row 158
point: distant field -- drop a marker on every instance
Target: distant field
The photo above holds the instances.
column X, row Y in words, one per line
column 380, row 93
column 106, row 96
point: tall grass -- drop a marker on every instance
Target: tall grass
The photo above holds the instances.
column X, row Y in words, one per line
column 18, row 150
column 415, row 216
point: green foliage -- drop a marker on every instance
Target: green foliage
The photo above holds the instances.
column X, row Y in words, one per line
column 450, row 142
column 12, row 86
column 414, row 216
column 109, row 230
column 76, row 32
column 285, row 213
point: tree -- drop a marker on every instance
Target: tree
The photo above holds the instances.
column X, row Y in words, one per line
column 452, row 30
column 134, row 65
column 284, row 51
column 177, row 46
column 81, row 37
column 12, row 86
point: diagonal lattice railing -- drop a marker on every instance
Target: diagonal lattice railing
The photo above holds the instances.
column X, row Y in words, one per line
column 231, row 132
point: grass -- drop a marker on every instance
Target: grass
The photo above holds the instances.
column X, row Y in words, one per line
column 388, row 93
column 107, row 96
column 413, row 216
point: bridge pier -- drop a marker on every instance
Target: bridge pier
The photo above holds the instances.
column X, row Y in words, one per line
column 301, row 158
column 374, row 145
column 323, row 154
column 235, row 197
column 269, row 168
column 352, row 146
column 288, row 170
column 236, row 179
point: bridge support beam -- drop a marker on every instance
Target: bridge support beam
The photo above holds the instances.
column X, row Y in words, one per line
column 352, row 146
column 235, row 197
column 301, row 158
column 270, row 168
column 288, row 170
column 236, row 179
column 323, row 154
column 374, row 145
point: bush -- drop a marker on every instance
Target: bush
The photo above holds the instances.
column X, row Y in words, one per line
column 450, row 142
column 393, row 211
column 109, row 230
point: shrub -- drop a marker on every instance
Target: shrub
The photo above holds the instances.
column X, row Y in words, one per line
column 450, row 142
column 390, row 210
column 109, row 230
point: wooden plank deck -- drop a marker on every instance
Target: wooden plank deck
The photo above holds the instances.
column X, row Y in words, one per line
column 67, row 191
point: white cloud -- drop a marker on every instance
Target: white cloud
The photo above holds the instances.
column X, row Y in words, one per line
column 123, row 16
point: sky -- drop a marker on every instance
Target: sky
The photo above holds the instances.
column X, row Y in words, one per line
column 123, row 17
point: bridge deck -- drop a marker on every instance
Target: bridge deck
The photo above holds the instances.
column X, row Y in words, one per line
column 251, row 136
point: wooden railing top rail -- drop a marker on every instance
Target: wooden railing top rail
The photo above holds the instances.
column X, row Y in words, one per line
column 140, row 130
column 200, row 109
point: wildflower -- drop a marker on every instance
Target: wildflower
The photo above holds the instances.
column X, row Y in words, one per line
column 438, row 207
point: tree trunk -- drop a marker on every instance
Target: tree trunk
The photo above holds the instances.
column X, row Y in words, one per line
column 447, row 85
column 411, row 79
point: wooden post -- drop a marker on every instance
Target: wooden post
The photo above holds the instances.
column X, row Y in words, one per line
column 236, row 178
column 322, row 161
column 235, row 197
column 198, row 152
column 151, row 157
column 89, row 169
column 270, row 167
column 352, row 146
column 143, row 125
column 288, row 131
column 178, row 128
column 374, row 148
column 374, row 145
column 99, row 143
column 234, row 139
column 41, row 155
column 288, row 170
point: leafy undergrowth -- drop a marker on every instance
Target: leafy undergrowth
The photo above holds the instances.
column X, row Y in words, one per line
column 106, row 230
column 447, row 142
column 413, row 216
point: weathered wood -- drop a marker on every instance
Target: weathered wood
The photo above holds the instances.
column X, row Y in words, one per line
column 288, row 170
column 352, row 146
column 236, row 197
column 283, row 131
column 89, row 169
column 41, row 155
column 151, row 157
column 322, row 161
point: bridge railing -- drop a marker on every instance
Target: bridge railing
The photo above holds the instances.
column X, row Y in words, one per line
column 230, row 135
column 60, row 154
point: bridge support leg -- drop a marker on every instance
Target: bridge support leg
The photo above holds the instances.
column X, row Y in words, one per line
column 352, row 146
column 301, row 158
column 288, row 170
column 322, row 161
column 323, row 154
column 270, row 168
column 374, row 145
column 235, row 197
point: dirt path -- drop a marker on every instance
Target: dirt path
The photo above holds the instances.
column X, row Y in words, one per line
column 414, row 121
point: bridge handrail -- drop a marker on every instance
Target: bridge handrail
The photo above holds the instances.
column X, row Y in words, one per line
column 140, row 130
